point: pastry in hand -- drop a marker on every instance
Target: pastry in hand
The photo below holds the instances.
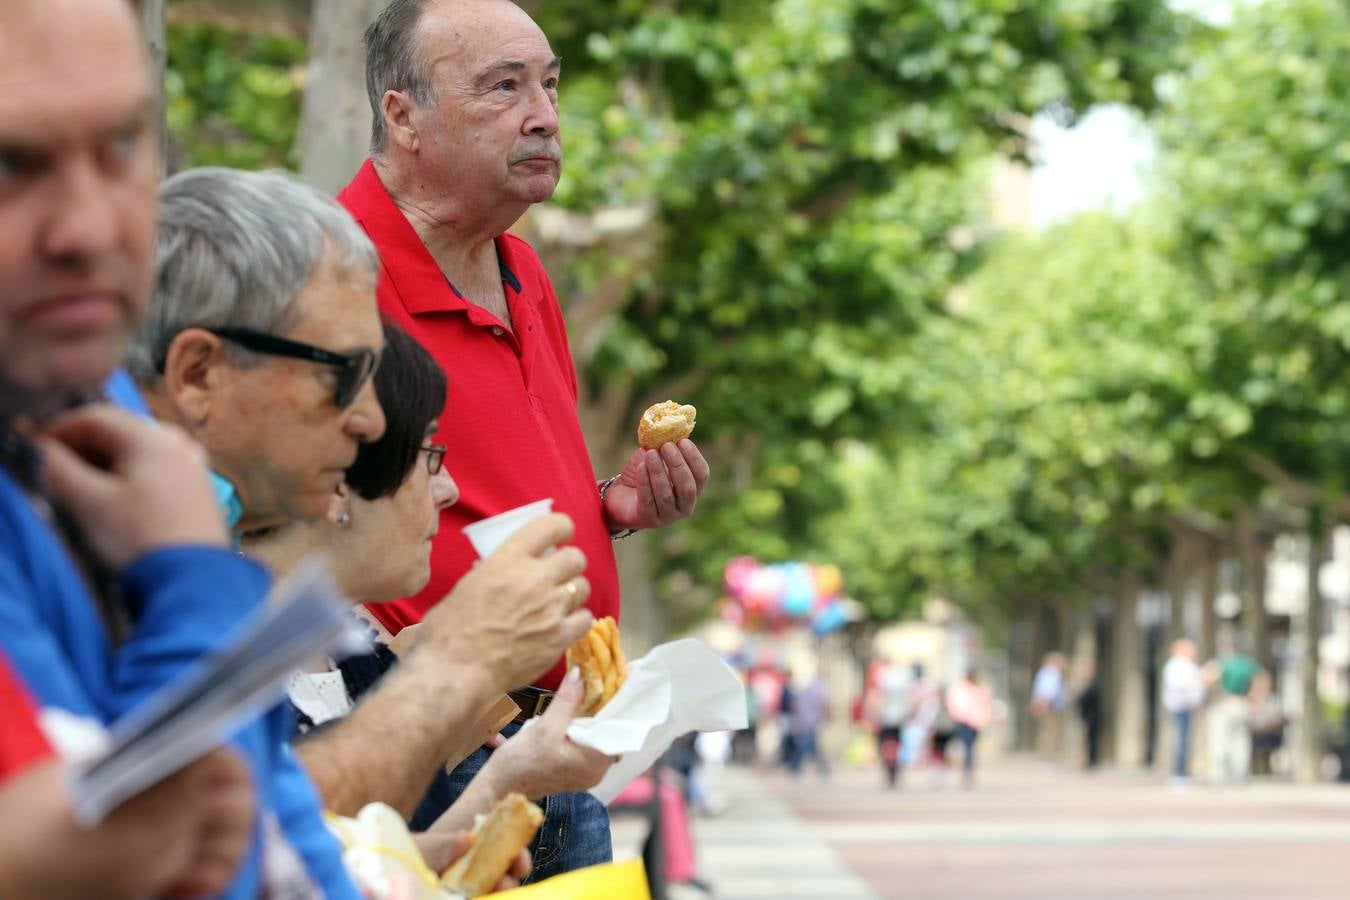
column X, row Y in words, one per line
column 602, row 665
column 496, row 841
column 664, row 423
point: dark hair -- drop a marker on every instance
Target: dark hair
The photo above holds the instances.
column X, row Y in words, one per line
column 393, row 63
column 411, row 387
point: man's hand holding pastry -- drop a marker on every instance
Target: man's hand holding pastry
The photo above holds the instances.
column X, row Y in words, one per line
column 664, row 477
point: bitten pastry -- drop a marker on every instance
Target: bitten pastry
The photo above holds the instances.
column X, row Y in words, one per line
column 602, row 665
column 665, row 422
column 497, row 840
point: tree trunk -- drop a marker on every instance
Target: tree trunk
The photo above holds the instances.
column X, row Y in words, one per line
column 1308, row 748
column 1209, row 595
column 1103, row 639
column 1022, row 663
column 1182, row 562
column 1253, row 549
column 1211, row 559
column 156, row 48
column 335, row 119
column 1129, row 656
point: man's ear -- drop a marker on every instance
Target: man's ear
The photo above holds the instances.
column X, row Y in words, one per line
column 398, row 109
column 192, row 374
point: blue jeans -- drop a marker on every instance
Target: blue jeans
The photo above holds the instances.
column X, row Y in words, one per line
column 1183, row 750
column 575, row 833
column 967, row 735
column 804, row 744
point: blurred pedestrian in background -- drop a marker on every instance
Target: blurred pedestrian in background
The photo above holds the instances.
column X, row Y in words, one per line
column 1090, row 711
column 1183, row 690
column 745, row 745
column 890, row 707
column 924, row 703
column 1049, row 697
column 944, row 730
column 787, row 702
column 971, row 707
column 1230, row 738
column 767, row 682
column 1265, row 719
column 810, row 710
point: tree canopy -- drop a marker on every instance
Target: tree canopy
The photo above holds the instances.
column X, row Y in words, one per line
column 777, row 210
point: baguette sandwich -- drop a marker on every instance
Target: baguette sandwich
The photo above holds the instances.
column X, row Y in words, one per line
column 497, row 840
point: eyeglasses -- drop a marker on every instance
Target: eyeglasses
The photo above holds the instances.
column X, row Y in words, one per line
column 435, row 456
column 354, row 369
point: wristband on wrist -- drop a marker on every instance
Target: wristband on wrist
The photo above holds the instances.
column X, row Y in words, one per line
column 604, row 487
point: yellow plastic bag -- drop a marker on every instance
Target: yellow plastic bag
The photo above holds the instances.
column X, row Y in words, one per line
column 611, row 881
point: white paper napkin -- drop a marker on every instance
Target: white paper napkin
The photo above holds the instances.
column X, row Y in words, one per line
column 678, row 687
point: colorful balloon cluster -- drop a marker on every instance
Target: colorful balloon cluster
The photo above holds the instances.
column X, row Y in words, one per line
column 773, row 596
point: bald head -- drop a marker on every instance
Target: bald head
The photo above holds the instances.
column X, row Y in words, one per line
column 395, row 57
column 483, row 143
column 77, row 175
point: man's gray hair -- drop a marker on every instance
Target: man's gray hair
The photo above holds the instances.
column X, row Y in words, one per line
column 234, row 249
column 393, row 64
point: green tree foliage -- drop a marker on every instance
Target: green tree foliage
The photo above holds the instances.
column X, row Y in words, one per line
column 1112, row 377
column 1256, row 150
column 809, row 164
column 1056, row 432
column 233, row 95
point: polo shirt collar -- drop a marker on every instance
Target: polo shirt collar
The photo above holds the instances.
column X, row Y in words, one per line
column 406, row 261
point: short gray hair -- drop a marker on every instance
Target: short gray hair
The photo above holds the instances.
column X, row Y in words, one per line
column 393, row 64
column 233, row 250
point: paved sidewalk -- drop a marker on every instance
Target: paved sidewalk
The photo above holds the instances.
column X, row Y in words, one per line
column 757, row 848
column 1027, row 831
column 1051, row 833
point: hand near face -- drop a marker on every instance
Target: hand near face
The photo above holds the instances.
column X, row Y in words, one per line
column 657, row 487
column 513, row 614
column 131, row 485
column 542, row 759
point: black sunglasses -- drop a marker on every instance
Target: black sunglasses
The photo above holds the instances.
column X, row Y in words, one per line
column 354, row 369
column 435, row 456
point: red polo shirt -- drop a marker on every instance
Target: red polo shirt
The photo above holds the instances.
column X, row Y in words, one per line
column 510, row 418
column 21, row 740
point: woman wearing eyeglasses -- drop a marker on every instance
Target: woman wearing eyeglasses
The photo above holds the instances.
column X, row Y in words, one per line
column 479, row 643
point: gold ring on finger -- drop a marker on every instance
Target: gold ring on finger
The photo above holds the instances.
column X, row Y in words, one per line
column 573, row 592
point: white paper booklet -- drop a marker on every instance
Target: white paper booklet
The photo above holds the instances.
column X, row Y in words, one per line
column 304, row 617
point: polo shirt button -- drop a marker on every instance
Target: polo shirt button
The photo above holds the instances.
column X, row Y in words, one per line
column 497, row 330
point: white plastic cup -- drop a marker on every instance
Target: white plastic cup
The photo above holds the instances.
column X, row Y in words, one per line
column 487, row 535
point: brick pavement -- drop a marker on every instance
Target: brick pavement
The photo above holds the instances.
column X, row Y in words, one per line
column 757, row 849
column 1027, row 831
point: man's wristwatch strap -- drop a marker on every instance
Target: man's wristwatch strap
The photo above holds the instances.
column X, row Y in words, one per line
column 604, row 489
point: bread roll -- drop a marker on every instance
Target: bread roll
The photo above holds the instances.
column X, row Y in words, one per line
column 496, row 842
column 664, row 423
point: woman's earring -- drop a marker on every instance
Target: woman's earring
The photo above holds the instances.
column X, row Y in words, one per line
column 344, row 516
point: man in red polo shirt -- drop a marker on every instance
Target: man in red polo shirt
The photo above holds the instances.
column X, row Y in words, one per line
column 465, row 139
